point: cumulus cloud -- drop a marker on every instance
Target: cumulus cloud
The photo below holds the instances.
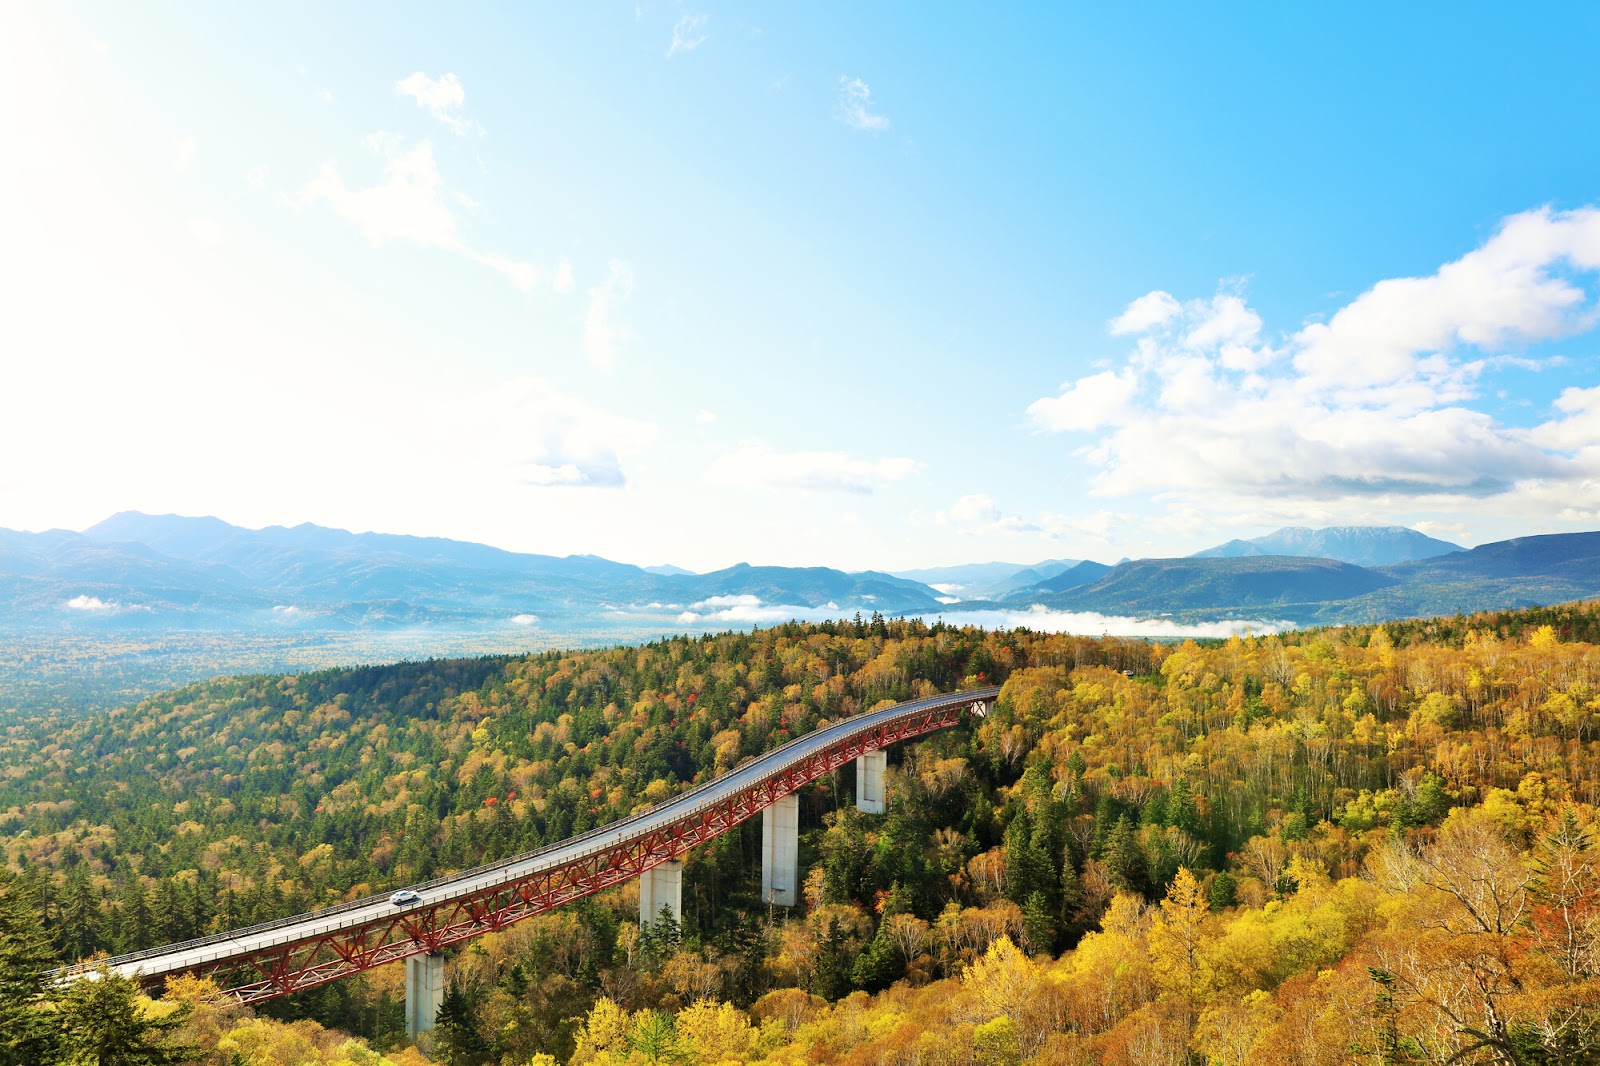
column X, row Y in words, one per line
column 855, row 106
column 1377, row 406
column 688, row 34
column 603, row 334
column 90, row 603
column 411, row 204
column 524, row 619
column 286, row 610
column 1086, row 403
column 441, row 97
column 1148, row 311
column 1516, row 288
column 756, row 466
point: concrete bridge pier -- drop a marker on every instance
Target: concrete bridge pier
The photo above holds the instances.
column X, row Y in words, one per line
column 780, row 852
column 869, row 782
column 424, row 992
column 660, row 886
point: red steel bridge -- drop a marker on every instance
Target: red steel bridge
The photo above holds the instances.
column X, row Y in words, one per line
column 284, row 956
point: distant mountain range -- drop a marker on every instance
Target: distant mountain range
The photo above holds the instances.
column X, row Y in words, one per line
column 163, row 571
column 1523, row 572
column 1361, row 545
column 980, row 581
column 154, row 573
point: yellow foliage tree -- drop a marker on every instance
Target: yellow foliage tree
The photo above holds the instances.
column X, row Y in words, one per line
column 1178, row 937
column 715, row 1033
column 604, row 1033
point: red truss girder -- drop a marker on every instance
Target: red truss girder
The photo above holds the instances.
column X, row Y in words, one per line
column 291, row 967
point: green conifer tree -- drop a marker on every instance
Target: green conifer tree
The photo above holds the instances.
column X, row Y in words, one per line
column 1124, row 859
column 103, row 1025
column 456, row 1035
column 27, row 1030
column 79, row 933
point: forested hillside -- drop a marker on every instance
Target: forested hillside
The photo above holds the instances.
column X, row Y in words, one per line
column 1368, row 844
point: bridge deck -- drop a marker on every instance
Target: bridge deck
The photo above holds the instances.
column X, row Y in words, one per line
column 283, row 956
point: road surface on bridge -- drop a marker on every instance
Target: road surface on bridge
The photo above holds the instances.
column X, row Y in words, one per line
column 292, row 953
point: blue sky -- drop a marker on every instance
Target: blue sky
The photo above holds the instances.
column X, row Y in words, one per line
column 867, row 286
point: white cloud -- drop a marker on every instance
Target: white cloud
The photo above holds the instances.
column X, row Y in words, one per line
column 524, row 276
column 603, row 335
column 543, row 438
column 256, row 178
column 183, row 153
column 1087, row 403
column 524, row 619
column 979, row 515
column 285, row 610
column 688, row 34
column 749, row 610
column 410, row 204
column 705, row 417
column 1148, row 311
column 1510, row 290
column 406, row 206
column 1087, row 623
column 564, row 283
column 855, row 106
column 756, row 466
column 441, row 97
column 1369, row 411
column 968, row 510
column 90, row 603
column 554, row 439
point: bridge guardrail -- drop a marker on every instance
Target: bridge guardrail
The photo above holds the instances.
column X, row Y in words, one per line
column 847, row 725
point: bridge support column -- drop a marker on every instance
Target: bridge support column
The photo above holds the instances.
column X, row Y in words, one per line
column 424, row 992
column 869, row 781
column 660, row 886
column 780, row 852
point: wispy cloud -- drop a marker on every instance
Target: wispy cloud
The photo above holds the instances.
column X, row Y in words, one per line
column 855, row 106
column 529, row 433
column 441, row 97
column 603, row 333
column 756, row 466
column 688, row 34
column 412, row 204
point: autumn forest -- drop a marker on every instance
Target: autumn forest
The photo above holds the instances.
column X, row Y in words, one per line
column 1371, row 844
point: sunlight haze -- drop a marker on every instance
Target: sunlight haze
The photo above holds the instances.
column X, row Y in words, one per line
column 844, row 286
